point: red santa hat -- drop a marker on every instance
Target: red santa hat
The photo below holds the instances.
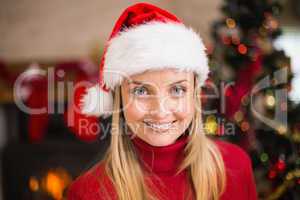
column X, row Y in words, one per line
column 144, row 37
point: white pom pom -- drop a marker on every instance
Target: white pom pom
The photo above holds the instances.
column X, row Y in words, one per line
column 97, row 102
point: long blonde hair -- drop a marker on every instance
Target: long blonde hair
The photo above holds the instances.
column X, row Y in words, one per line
column 203, row 161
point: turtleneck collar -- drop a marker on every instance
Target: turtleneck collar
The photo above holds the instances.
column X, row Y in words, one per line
column 163, row 159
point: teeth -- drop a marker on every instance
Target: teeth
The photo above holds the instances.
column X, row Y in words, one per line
column 160, row 126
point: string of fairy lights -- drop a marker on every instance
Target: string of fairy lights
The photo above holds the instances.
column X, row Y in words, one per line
column 246, row 34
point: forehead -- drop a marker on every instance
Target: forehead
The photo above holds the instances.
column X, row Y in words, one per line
column 161, row 77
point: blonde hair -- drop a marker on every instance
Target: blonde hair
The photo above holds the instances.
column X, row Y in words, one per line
column 203, row 162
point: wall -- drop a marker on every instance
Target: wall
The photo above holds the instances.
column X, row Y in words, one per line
column 35, row 30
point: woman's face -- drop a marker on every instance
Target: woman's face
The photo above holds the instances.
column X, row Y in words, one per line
column 158, row 106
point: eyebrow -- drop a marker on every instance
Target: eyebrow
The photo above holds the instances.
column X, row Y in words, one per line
column 141, row 83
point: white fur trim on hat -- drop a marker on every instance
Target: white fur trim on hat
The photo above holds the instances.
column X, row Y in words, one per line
column 97, row 102
column 155, row 45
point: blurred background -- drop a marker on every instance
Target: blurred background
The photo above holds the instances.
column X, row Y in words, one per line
column 253, row 48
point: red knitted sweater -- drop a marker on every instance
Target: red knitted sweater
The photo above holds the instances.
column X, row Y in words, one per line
column 163, row 162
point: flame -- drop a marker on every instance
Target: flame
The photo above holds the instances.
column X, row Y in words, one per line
column 33, row 184
column 55, row 182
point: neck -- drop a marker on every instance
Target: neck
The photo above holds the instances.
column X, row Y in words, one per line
column 163, row 159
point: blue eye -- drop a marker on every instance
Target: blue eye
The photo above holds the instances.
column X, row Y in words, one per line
column 139, row 91
column 178, row 90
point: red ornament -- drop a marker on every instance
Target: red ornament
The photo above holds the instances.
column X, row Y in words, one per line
column 280, row 165
column 272, row 174
column 242, row 49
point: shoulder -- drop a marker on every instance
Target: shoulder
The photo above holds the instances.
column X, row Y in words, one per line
column 233, row 154
column 89, row 185
column 238, row 167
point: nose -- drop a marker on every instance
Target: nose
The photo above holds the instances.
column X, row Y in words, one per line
column 160, row 108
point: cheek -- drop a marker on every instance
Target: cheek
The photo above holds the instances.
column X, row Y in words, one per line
column 134, row 111
column 184, row 114
column 130, row 109
column 185, row 107
column 134, row 115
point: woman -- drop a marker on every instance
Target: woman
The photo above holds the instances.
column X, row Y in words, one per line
column 150, row 78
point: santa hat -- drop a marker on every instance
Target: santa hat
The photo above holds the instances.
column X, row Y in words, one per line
column 144, row 37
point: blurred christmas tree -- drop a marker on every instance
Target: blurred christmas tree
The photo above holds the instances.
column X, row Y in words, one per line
column 254, row 79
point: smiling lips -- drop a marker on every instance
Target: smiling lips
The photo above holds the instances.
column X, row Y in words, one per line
column 160, row 126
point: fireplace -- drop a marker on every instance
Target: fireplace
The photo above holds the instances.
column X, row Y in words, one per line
column 41, row 171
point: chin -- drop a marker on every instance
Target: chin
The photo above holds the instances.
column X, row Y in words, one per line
column 160, row 139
